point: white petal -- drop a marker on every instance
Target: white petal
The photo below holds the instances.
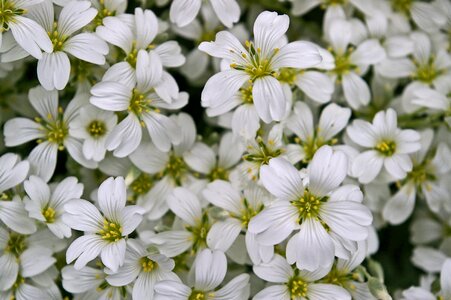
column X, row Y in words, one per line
column 54, row 70
column 109, row 95
column 83, row 215
column 125, row 137
column 222, row 194
column 281, row 179
column 316, row 85
column 201, row 158
column 35, row 260
column 183, row 12
column 222, row 86
column 327, row 170
column 317, row 250
column 185, row 205
column 10, row 270
column 369, row 52
column 300, row 55
column 14, row 216
column 88, row 47
column 277, row 270
column 347, row 218
column 30, row 36
column 274, row 292
column 245, row 121
column 112, row 195
column 19, row 131
column 275, row 223
column 333, row 119
column 113, row 255
column 228, row 12
column 398, row 165
column 43, row 160
column 320, row 291
column 163, row 130
column 74, row 16
column 117, row 33
column 223, row 234
column 269, row 99
column 367, row 166
column 400, row 206
column 269, row 28
column 210, row 269
column 86, row 248
column 356, row 90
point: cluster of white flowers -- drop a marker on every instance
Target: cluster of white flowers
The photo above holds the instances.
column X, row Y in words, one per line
column 318, row 136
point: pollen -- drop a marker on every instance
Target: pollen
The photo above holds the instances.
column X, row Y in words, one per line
column 147, row 264
column 111, row 232
column 96, row 129
column 57, row 39
column 139, row 104
column 8, row 13
column 386, row 148
column 197, row 295
column 297, row 288
column 308, row 205
column 256, row 65
column 49, row 214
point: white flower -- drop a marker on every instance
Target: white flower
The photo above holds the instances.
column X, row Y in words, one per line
column 434, row 100
column 12, row 211
column 104, row 234
column 185, row 205
column 309, row 138
column 386, row 146
column 329, row 217
column 143, row 106
column 54, row 68
column 260, row 150
column 240, row 208
column 427, row 66
column 210, row 268
column 204, row 160
column 50, row 129
column 92, row 126
column 426, row 177
column 27, row 33
column 144, row 269
column 183, row 12
column 19, row 261
column 294, row 283
column 420, row 293
column 90, row 283
column 258, row 64
column 162, row 171
column 133, row 35
column 46, row 204
column 350, row 63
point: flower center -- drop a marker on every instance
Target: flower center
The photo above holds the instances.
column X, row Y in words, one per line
column 96, row 129
column 132, row 57
column 263, row 153
column 257, row 66
column 56, row 38
column 287, row 75
column 402, row 6
column 297, row 288
column 142, row 184
column 419, row 175
column 218, row 173
column 8, row 13
column 139, row 103
column 103, row 12
column 343, row 63
column 248, row 213
column 16, row 244
column 176, row 168
column 49, row 214
column 246, row 94
column 197, row 295
column 426, row 73
column 199, row 233
column 308, row 205
column 386, row 148
column 56, row 130
column 147, row 264
column 111, row 232
column 311, row 145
